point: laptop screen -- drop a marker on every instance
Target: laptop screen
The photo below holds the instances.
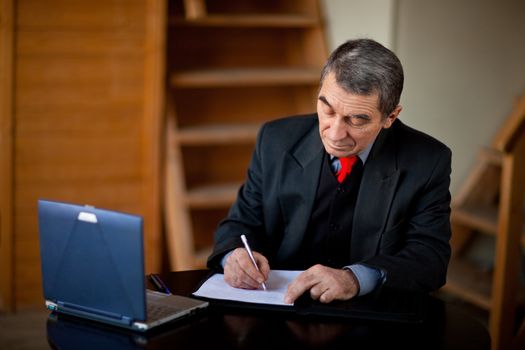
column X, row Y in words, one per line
column 92, row 259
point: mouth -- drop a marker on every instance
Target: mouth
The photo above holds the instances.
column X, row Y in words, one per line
column 341, row 148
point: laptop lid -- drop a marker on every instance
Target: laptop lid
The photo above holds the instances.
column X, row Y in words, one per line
column 92, row 262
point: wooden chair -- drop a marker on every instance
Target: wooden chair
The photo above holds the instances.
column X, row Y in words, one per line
column 491, row 201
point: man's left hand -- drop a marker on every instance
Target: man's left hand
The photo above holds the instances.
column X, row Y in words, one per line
column 325, row 284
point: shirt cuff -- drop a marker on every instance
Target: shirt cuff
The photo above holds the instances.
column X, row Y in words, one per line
column 223, row 260
column 367, row 277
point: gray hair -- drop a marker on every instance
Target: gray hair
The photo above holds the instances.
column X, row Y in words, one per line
column 364, row 67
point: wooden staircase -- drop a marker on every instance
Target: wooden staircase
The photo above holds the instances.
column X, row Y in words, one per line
column 491, row 202
column 232, row 65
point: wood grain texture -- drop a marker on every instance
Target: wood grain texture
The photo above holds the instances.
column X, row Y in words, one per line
column 6, row 156
column 88, row 107
column 153, row 118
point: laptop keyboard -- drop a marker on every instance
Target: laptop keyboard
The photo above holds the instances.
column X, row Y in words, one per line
column 157, row 312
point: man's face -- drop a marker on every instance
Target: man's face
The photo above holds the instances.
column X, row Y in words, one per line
column 349, row 122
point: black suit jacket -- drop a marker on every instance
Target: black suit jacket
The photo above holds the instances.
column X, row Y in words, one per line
column 402, row 216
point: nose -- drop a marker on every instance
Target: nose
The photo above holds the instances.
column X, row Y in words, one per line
column 337, row 130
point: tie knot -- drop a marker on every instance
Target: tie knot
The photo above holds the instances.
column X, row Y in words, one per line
column 347, row 163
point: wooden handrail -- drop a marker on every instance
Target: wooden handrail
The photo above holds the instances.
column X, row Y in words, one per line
column 513, row 128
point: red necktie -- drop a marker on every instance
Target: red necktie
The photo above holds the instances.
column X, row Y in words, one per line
column 347, row 164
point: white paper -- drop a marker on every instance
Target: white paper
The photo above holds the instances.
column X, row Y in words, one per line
column 278, row 280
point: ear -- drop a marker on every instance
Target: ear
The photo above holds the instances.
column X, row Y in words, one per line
column 392, row 117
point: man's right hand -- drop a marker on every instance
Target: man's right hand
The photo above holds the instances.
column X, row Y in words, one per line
column 239, row 271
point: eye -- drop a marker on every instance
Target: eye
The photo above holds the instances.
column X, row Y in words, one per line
column 328, row 110
column 356, row 120
column 360, row 120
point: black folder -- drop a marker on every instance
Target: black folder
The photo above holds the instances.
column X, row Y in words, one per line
column 383, row 305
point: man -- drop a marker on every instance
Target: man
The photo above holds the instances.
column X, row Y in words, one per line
column 351, row 195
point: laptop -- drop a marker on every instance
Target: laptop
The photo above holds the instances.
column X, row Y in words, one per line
column 93, row 268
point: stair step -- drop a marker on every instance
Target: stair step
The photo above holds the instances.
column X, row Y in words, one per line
column 481, row 218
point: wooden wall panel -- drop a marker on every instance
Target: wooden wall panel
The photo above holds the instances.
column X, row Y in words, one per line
column 6, row 158
column 153, row 122
column 85, row 119
column 127, row 15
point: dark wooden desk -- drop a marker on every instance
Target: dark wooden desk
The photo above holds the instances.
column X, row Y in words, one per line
column 446, row 327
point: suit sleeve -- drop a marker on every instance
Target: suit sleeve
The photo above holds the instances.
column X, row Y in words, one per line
column 420, row 261
column 246, row 214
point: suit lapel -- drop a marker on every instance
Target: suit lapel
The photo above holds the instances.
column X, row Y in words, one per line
column 299, row 178
column 301, row 169
column 378, row 185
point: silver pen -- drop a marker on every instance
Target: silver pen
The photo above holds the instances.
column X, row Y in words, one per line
column 247, row 246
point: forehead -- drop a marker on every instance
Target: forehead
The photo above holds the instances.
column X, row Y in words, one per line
column 345, row 102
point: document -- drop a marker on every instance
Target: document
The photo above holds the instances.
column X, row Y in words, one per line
column 278, row 280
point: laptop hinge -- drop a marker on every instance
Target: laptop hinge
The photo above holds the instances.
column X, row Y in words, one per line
column 88, row 312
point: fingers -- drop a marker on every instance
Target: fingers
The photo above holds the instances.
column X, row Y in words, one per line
column 301, row 284
column 317, row 291
column 262, row 263
column 325, row 284
column 239, row 271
